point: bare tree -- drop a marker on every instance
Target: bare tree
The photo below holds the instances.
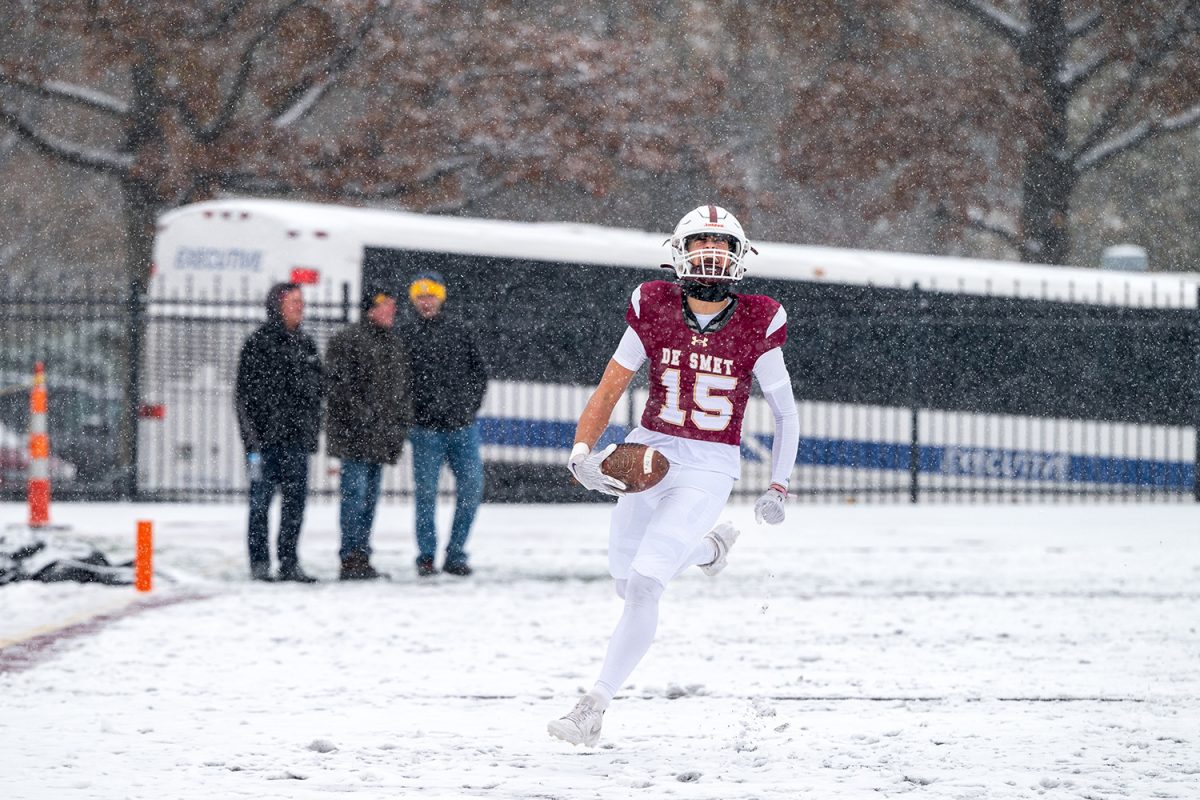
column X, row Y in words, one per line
column 432, row 105
column 995, row 132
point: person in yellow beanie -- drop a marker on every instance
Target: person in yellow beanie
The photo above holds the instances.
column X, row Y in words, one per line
column 448, row 381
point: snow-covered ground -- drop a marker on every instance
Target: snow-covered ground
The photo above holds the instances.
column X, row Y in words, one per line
column 855, row 651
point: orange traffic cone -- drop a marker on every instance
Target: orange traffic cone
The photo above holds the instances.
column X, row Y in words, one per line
column 39, row 452
column 143, row 562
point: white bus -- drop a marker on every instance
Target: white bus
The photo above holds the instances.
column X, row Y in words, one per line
column 245, row 245
column 239, row 247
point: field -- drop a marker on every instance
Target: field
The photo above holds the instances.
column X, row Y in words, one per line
column 855, row 651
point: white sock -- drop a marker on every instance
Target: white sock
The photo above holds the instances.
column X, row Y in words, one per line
column 632, row 637
column 599, row 698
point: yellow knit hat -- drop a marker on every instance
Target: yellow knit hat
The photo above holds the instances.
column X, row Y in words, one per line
column 427, row 283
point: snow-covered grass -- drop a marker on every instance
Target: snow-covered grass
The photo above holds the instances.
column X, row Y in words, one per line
column 871, row 651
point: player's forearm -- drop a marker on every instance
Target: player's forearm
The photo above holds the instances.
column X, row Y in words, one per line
column 594, row 419
column 787, row 432
column 600, row 405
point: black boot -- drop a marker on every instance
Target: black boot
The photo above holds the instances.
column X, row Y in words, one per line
column 357, row 567
column 292, row 572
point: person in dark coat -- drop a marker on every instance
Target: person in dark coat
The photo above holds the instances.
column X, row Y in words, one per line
column 368, row 411
column 278, row 399
column 448, row 383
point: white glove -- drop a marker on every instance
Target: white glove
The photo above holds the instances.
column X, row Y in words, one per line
column 585, row 466
column 769, row 507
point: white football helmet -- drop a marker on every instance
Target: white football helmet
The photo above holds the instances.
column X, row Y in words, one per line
column 713, row 263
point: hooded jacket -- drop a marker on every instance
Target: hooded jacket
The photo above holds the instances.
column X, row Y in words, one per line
column 278, row 391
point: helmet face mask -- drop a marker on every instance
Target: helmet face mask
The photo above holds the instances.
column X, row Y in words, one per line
column 709, row 255
column 709, row 247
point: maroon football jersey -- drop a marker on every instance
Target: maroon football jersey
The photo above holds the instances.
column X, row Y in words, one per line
column 699, row 383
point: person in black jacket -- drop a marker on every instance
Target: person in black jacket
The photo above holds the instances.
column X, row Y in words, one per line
column 367, row 413
column 278, row 400
column 448, row 383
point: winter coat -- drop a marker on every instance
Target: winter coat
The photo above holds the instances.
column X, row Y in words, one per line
column 368, row 407
column 448, row 376
column 278, row 393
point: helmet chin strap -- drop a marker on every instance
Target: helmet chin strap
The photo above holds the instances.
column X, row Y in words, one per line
column 707, row 292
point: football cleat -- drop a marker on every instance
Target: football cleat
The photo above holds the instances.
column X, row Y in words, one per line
column 722, row 537
column 582, row 725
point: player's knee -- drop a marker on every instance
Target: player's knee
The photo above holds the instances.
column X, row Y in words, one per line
column 642, row 590
column 620, row 585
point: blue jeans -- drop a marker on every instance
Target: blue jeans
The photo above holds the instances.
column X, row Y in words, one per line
column 461, row 449
column 360, row 495
column 286, row 469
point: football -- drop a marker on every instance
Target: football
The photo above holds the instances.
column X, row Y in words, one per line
column 639, row 467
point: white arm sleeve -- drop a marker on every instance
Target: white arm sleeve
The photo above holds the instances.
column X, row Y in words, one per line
column 776, row 387
column 631, row 353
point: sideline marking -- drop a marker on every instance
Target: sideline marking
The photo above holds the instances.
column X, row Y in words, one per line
column 30, row 648
column 52, row 627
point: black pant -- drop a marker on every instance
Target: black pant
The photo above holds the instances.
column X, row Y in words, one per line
column 284, row 468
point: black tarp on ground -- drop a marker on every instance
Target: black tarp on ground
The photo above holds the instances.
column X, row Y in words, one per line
column 31, row 556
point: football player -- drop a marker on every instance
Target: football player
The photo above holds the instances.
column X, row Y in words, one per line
column 702, row 342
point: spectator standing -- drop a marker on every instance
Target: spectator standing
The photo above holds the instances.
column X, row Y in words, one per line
column 448, row 383
column 278, row 399
column 368, row 411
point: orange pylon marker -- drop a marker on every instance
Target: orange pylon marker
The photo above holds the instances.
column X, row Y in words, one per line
column 143, row 562
column 39, row 452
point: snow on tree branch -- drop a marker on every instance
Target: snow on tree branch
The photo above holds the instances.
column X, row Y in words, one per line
column 96, row 158
column 241, row 81
column 1085, row 23
column 1134, row 136
column 61, row 90
column 305, row 104
column 341, row 60
column 1075, row 74
column 975, row 220
column 1147, row 60
column 997, row 20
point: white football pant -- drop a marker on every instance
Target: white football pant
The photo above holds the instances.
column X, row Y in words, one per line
column 656, row 532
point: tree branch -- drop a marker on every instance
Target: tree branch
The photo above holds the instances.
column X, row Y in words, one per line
column 1127, row 140
column 1145, row 62
column 337, row 65
column 242, row 80
column 1078, row 73
column 1085, row 23
column 975, row 221
column 432, row 175
column 1008, row 26
column 249, row 183
column 221, row 21
column 91, row 99
column 482, row 193
column 92, row 158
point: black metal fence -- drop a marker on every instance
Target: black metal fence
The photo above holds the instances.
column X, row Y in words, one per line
column 903, row 394
column 82, row 338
